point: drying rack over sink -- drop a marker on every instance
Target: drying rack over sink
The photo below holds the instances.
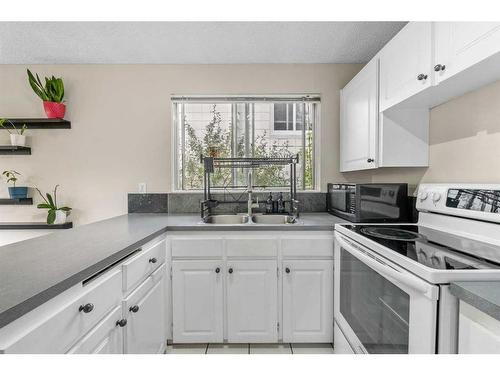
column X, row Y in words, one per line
column 210, row 164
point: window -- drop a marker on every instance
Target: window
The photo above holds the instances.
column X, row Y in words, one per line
column 244, row 127
column 288, row 116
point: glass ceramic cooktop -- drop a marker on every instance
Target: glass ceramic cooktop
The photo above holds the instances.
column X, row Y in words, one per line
column 433, row 248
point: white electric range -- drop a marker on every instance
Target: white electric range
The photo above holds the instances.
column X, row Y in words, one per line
column 392, row 280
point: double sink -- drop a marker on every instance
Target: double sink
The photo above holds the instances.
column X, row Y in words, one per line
column 249, row 220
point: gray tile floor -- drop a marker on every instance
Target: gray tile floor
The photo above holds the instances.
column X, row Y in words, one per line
column 250, row 349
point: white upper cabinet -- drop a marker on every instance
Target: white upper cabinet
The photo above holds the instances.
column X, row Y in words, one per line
column 252, row 301
column 405, row 64
column 359, row 120
column 460, row 45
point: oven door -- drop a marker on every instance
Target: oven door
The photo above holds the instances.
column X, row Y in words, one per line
column 380, row 307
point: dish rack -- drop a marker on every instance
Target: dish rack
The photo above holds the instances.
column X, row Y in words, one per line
column 210, row 164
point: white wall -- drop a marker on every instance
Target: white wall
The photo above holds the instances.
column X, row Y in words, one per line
column 121, row 126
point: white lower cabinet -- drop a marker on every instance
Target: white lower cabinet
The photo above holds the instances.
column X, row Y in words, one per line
column 252, row 301
column 105, row 338
column 57, row 325
column 238, row 291
column 145, row 311
column 197, row 301
column 478, row 333
column 307, row 301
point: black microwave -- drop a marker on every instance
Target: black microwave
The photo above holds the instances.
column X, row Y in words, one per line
column 374, row 202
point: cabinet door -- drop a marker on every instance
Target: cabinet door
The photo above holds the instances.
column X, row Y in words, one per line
column 252, row 301
column 197, row 299
column 145, row 329
column 359, row 120
column 105, row 338
column 478, row 333
column 460, row 45
column 308, row 301
column 405, row 64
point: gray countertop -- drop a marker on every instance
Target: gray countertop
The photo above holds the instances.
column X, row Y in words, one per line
column 36, row 270
column 483, row 295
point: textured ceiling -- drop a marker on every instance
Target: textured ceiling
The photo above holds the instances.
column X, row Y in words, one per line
column 192, row 42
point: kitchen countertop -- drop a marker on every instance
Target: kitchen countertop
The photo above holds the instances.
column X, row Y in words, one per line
column 483, row 295
column 35, row 270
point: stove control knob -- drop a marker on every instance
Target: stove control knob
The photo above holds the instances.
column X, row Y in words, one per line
column 422, row 195
column 435, row 261
column 436, row 197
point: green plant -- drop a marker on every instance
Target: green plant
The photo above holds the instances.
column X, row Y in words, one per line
column 52, row 91
column 51, row 205
column 18, row 131
column 11, row 176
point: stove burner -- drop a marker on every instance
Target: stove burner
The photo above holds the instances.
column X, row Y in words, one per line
column 391, row 233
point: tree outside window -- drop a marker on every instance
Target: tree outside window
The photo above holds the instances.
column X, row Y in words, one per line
column 244, row 129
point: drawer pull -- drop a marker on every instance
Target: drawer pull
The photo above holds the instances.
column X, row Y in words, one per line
column 88, row 307
column 422, row 77
column 134, row 308
column 230, row 270
column 287, row 270
column 121, row 322
column 153, row 260
column 217, row 270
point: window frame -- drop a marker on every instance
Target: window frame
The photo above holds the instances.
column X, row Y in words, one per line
column 284, row 133
column 316, row 165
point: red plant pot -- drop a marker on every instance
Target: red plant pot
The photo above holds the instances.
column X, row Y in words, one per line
column 54, row 110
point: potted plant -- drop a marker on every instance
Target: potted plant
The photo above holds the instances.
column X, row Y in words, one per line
column 55, row 214
column 52, row 94
column 17, row 136
column 15, row 192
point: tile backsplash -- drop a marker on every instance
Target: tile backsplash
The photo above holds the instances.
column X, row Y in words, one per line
column 190, row 202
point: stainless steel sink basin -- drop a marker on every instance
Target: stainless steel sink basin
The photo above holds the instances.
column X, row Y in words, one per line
column 273, row 219
column 227, row 219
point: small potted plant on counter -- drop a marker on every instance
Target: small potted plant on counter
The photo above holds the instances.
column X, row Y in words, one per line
column 17, row 136
column 15, row 192
column 52, row 94
column 55, row 214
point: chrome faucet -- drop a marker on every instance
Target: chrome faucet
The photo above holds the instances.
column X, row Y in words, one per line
column 251, row 203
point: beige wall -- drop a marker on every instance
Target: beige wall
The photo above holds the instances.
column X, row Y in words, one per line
column 121, row 126
column 121, row 129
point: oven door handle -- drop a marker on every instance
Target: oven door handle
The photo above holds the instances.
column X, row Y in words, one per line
column 388, row 271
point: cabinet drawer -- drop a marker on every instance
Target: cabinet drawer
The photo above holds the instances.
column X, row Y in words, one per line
column 196, row 247
column 317, row 246
column 143, row 264
column 252, row 247
column 105, row 338
column 64, row 325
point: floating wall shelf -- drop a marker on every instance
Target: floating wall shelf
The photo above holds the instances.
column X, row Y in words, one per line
column 21, row 225
column 16, row 201
column 15, row 150
column 41, row 123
